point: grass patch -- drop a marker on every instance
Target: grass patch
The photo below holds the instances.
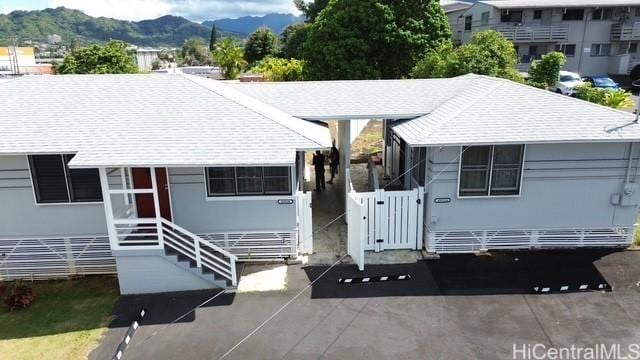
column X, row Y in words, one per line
column 66, row 321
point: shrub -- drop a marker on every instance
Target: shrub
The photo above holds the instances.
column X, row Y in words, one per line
column 278, row 69
column 617, row 99
column 546, row 70
column 20, row 296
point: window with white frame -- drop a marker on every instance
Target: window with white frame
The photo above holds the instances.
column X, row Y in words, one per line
column 600, row 49
column 491, row 170
column 248, row 180
column 54, row 182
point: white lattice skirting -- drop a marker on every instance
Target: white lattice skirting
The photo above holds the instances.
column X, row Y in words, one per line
column 259, row 245
column 468, row 241
column 55, row 257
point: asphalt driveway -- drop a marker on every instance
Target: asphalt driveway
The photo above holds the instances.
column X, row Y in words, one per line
column 458, row 307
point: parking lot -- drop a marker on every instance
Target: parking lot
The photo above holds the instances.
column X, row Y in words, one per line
column 458, row 307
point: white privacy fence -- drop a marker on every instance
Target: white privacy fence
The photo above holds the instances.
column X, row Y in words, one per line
column 466, row 241
column 55, row 257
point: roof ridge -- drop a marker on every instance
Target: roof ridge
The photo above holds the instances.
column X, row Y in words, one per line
column 467, row 105
column 278, row 116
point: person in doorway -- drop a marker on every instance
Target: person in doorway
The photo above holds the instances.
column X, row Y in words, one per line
column 318, row 165
column 334, row 156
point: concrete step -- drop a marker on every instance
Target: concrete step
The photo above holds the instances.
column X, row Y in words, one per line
column 190, row 265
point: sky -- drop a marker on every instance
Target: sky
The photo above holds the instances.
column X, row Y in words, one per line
column 194, row 10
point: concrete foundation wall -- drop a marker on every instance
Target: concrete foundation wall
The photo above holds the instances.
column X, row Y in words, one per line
column 153, row 274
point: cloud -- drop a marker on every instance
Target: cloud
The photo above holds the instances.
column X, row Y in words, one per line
column 195, row 10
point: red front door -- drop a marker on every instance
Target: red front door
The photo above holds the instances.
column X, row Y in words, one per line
column 144, row 202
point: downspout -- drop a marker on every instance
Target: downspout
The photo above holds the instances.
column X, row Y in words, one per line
column 628, row 176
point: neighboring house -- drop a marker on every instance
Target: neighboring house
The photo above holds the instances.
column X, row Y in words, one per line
column 18, row 60
column 598, row 36
column 146, row 56
column 179, row 177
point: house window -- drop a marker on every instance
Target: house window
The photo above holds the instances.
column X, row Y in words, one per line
column 602, row 14
column 491, row 170
column 468, row 20
column 419, row 164
column 511, row 16
column 248, row 180
column 633, row 48
column 573, row 14
column 600, row 49
column 537, row 14
column 484, row 18
column 568, row 49
column 54, row 182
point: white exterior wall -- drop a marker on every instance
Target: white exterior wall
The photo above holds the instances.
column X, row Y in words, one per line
column 193, row 211
column 20, row 216
column 564, row 186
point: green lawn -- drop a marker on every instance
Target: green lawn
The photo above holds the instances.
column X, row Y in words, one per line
column 66, row 321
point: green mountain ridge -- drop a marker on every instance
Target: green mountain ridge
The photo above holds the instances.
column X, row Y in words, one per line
column 76, row 26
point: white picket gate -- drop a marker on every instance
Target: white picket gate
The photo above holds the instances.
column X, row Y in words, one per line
column 305, row 222
column 393, row 219
column 357, row 222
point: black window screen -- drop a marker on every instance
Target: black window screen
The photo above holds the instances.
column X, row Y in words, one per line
column 54, row 182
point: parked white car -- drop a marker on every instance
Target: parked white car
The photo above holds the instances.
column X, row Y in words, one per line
column 567, row 83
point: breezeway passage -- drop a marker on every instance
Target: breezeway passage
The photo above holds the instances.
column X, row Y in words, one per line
column 478, row 310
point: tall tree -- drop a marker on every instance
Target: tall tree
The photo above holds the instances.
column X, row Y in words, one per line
column 194, row 52
column 292, row 40
column 311, row 9
column 262, row 43
column 359, row 39
column 546, row 71
column 488, row 53
column 230, row 57
column 212, row 39
column 114, row 57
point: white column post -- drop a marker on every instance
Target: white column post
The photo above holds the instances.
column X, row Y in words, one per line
column 345, row 154
column 156, row 205
column 301, row 165
column 108, row 210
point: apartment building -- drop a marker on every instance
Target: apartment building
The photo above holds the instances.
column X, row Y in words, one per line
column 597, row 36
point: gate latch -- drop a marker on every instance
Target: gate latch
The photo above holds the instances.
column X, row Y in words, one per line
column 379, row 240
column 419, row 201
column 380, row 202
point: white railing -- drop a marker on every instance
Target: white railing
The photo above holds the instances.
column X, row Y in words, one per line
column 468, row 241
column 256, row 245
column 204, row 253
column 623, row 32
column 42, row 258
column 137, row 232
column 534, row 33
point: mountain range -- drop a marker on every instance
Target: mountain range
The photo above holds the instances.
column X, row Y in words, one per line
column 168, row 30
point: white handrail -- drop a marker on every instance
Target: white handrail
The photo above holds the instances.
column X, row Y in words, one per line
column 199, row 247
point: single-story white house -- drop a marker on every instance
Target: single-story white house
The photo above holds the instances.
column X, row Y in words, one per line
column 169, row 180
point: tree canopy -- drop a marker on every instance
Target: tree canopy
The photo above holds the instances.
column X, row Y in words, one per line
column 292, row 40
column 365, row 39
column 230, row 57
column 546, row 71
column 114, row 57
column 488, row 53
column 311, row 9
column 262, row 43
column 195, row 52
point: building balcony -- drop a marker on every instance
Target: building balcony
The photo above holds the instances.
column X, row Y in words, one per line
column 535, row 33
column 625, row 32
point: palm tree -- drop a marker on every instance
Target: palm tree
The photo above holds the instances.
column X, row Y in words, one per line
column 230, row 57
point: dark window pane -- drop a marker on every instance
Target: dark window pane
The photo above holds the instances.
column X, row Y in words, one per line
column 276, row 171
column 275, row 185
column 474, row 174
column 48, row 173
column 84, row 184
column 573, row 14
column 507, row 169
column 249, row 180
column 222, row 186
column 537, row 14
column 221, row 172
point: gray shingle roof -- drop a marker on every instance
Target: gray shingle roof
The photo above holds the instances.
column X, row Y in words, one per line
column 498, row 111
column 362, row 99
column 136, row 120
